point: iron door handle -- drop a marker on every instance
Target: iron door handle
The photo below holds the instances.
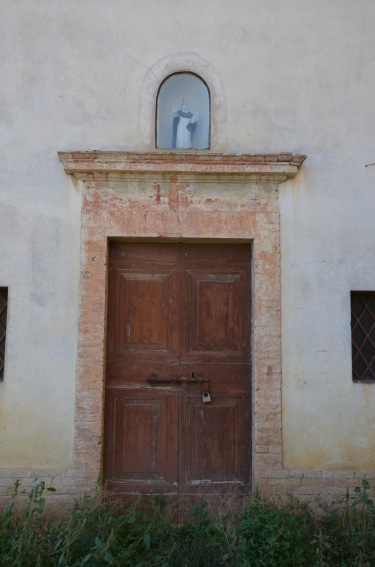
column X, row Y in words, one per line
column 155, row 379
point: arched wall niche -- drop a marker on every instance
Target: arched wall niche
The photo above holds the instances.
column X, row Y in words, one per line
column 155, row 77
column 183, row 113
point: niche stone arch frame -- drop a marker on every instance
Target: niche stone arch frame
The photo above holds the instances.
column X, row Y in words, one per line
column 157, row 74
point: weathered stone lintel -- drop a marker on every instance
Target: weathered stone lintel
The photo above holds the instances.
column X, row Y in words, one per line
column 284, row 164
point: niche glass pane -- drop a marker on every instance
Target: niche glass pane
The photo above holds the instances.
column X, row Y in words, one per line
column 183, row 113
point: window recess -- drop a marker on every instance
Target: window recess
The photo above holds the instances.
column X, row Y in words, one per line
column 3, row 326
column 363, row 336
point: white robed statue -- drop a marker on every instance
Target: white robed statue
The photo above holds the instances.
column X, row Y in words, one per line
column 184, row 126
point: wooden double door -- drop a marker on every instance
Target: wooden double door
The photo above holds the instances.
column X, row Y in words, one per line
column 178, row 408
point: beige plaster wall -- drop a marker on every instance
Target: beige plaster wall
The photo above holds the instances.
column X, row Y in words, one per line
column 293, row 77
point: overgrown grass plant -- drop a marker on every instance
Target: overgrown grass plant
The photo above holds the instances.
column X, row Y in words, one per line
column 244, row 532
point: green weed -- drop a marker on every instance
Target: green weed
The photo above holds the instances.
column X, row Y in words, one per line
column 273, row 535
column 261, row 533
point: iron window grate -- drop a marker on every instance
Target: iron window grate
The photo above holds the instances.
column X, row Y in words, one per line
column 3, row 326
column 363, row 335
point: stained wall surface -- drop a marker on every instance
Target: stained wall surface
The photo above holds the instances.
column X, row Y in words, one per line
column 298, row 78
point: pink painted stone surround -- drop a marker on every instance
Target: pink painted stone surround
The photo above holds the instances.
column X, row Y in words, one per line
column 176, row 196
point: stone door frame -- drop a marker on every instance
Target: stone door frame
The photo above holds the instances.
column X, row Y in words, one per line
column 173, row 197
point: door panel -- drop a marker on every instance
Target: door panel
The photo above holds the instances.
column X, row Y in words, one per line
column 143, row 298
column 214, row 312
column 178, row 326
column 141, row 450
column 213, row 433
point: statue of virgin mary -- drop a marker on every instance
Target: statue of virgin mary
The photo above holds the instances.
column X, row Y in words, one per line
column 184, row 127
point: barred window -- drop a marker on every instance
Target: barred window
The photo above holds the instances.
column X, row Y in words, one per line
column 3, row 326
column 363, row 335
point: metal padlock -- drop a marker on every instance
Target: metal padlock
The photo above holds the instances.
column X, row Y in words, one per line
column 206, row 398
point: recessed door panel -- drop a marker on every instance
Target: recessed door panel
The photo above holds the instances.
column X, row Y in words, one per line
column 214, row 429
column 143, row 300
column 141, row 448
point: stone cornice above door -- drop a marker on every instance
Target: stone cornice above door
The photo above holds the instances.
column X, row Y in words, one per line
column 281, row 166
